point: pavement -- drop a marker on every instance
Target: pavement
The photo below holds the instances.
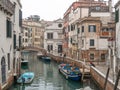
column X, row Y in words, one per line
column 102, row 67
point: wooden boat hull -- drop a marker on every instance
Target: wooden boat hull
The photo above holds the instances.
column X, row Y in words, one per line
column 75, row 77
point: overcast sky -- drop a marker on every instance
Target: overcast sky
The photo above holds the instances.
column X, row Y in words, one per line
column 46, row 9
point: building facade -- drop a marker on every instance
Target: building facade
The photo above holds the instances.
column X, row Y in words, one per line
column 87, row 22
column 35, row 29
column 117, row 21
column 10, row 36
column 26, row 36
column 53, row 37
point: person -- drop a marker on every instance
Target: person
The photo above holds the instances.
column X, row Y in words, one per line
column 92, row 64
column 64, row 56
column 23, row 80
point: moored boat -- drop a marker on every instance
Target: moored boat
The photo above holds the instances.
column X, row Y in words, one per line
column 46, row 58
column 24, row 64
column 26, row 77
column 70, row 72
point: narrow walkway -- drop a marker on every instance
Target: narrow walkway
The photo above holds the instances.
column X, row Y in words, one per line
column 102, row 67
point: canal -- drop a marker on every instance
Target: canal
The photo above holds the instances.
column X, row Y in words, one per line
column 47, row 77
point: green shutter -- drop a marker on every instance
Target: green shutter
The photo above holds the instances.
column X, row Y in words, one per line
column 14, row 41
column 94, row 28
column 78, row 30
column 117, row 16
column 8, row 28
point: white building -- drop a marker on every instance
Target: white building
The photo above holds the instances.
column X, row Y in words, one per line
column 117, row 20
column 26, row 36
column 34, row 30
column 10, row 21
column 82, row 11
column 53, row 37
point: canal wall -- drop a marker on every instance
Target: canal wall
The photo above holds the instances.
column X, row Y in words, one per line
column 100, row 79
column 61, row 59
column 95, row 73
column 8, row 84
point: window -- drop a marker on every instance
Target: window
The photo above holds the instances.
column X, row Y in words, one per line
column 26, row 40
column 103, row 56
column 23, row 39
column 91, row 56
column 20, row 18
column 71, row 40
column 60, row 25
column 49, row 35
column 8, row 28
column 8, row 56
column 59, row 48
column 19, row 41
column 72, row 27
column 14, row 63
column 82, row 29
column 3, row 70
column 98, row 8
column 117, row 16
column 78, row 30
column 82, row 42
column 26, row 34
column 14, row 41
column 68, row 28
column 91, row 42
column 50, row 47
column 92, row 28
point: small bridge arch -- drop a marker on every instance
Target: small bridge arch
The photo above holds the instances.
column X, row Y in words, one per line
column 36, row 49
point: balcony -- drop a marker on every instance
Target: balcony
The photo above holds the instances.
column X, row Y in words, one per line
column 7, row 6
column 104, row 34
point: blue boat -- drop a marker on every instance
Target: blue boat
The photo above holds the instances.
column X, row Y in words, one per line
column 26, row 78
column 70, row 72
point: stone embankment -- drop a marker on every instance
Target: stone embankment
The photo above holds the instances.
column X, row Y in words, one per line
column 98, row 73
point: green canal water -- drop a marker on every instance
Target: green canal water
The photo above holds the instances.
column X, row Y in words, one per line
column 47, row 77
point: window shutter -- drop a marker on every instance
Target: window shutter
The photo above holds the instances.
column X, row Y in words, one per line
column 117, row 16
column 10, row 29
column 78, row 30
column 19, row 41
column 14, row 41
column 94, row 28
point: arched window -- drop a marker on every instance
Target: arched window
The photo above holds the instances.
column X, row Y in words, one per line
column 3, row 70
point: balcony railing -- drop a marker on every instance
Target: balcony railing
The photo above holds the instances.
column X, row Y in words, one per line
column 7, row 6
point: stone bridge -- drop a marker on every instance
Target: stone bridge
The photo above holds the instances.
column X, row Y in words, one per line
column 36, row 49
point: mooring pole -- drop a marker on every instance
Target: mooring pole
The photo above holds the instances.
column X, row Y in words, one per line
column 106, row 78
column 117, row 80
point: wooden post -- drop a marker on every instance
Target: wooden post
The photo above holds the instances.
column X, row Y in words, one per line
column 106, row 78
column 117, row 80
column 83, row 72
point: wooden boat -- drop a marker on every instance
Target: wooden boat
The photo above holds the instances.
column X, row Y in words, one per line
column 24, row 64
column 70, row 72
column 46, row 58
column 26, row 77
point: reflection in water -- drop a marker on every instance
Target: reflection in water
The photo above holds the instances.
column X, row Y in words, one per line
column 47, row 76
